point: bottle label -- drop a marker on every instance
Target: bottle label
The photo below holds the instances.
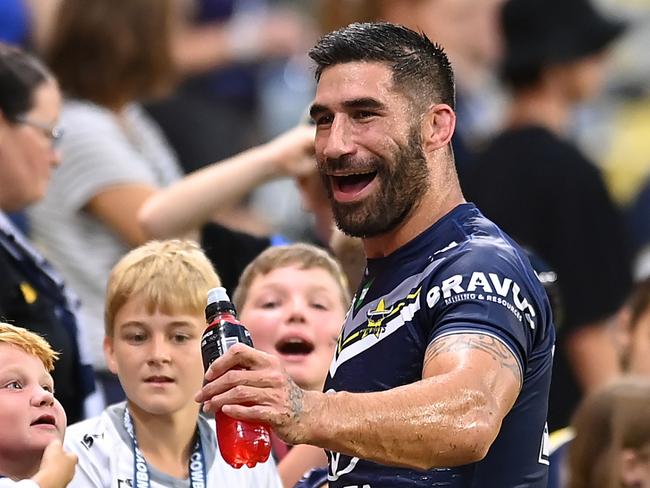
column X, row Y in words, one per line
column 218, row 339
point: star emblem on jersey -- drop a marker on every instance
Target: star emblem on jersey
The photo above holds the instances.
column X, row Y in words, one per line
column 381, row 321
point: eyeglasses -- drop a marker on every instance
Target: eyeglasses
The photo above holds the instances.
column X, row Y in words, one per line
column 54, row 134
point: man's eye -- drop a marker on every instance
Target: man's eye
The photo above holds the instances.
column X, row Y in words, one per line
column 269, row 305
column 364, row 114
column 319, row 306
column 324, row 120
column 48, row 388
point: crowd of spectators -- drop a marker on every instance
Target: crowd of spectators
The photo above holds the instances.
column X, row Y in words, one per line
column 156, row 119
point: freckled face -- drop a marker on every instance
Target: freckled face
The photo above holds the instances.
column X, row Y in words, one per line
column 30, row 416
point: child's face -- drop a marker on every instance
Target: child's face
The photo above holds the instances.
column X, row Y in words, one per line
column 157, row 358
column 30, row 416
column 296, row 314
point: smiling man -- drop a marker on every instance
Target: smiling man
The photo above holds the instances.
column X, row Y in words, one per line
column 442, row 369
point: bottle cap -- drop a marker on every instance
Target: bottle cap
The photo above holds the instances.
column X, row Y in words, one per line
column 216, row 295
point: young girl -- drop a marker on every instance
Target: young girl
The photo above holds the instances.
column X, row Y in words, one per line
column 154, row 318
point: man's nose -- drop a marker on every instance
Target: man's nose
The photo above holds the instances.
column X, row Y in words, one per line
column 339, row 140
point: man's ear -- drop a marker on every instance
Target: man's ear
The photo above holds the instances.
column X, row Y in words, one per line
column 109, row 354
column 438, row 125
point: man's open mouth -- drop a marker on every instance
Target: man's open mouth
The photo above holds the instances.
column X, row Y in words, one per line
column 352, row 184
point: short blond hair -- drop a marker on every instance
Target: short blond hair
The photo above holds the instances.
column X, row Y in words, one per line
column 29, row 342
column 172, row 276
column 304, row 256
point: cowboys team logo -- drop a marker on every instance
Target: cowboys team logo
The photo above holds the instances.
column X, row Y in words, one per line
column 376, row 319
column 379, row 321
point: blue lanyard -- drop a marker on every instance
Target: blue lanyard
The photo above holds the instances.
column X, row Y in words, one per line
column 141, row 477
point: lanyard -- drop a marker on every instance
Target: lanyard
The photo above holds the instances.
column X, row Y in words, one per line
column 141, row 471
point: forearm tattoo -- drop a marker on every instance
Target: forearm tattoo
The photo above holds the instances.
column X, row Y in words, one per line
column 295, row 398
column 462, row 342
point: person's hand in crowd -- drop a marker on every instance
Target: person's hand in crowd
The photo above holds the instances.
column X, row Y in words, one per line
column 293, row 151
column 57, row 467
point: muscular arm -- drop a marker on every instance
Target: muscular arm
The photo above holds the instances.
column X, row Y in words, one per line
column 449, row 418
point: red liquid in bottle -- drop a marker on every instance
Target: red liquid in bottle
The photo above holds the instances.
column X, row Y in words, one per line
column 241, row 443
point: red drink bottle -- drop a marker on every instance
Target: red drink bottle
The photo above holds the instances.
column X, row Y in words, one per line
column 239, row 442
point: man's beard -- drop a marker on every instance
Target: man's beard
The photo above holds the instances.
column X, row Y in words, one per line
column 402, row 182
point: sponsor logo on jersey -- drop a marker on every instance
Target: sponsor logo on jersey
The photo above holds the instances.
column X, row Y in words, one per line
column 485, row 287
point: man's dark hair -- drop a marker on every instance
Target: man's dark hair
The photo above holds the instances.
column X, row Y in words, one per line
column 20, row 75
column 421, row 69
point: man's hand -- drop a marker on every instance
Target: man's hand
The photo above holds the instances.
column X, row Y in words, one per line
column 57, row 467
column 248, row 384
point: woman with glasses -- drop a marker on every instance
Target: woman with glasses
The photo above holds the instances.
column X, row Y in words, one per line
column 31, row 292
column 108, row 56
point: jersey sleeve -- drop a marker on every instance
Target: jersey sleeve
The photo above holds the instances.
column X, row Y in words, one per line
column 491, row 292
column 7, row 483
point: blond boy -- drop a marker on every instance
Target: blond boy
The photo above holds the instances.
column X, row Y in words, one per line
column 154, row 319
column 32, row 421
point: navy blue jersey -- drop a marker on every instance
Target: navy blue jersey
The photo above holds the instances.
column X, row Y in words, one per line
column 462, row 275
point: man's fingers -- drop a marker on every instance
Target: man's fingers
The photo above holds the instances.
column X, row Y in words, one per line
column 242, row 395
column 260, row 378
column 255, row 413
column 238, row 356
